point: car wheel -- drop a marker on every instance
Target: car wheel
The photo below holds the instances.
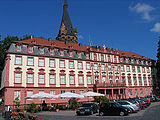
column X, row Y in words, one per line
column 121, row 113
column 131, row 110
column 101, row 113
column 91, row 112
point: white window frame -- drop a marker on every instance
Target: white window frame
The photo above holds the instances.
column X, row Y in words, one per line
column 29, row 77
column 52, row 79
column 80, row 78
column 62, row 80
column 41, row 62
column 62, row 63
column 18, row 60
column 52, row 63
column 30, row 61
column 17, row 94
column 18, row 77
column 41, row 79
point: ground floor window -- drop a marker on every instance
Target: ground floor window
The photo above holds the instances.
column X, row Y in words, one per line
column 17, row 94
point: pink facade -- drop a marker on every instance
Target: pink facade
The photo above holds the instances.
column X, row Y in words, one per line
column 56, row 66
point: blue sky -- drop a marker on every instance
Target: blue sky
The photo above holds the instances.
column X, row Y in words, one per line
column 129, row 25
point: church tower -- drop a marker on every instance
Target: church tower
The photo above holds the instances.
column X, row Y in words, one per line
column 67, row 32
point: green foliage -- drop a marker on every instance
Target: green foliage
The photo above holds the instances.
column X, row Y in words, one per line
column 74, row 103
column 101, row 99
column 25, row 107
column 57, row 106
column 32, row 107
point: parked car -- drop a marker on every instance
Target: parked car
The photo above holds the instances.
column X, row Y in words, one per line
column 129, row 105
column 87, row 108
column 134, row 101
column 112, row 108
column 142, row 103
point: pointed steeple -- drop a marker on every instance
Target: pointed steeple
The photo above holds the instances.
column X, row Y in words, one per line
column 67, row 32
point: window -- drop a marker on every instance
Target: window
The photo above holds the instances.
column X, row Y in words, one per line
column 18, row 60
column 87, row 56
column 149, row 80
column 52, row 92
column 71, row 54
column 41, row 78
column 141, row 91
column 133, row 69
column 128, row 69
column 72, row 91
column 61, row 53
column 61, row 63
column 147, row 70
column 29, row 93
column 117, row 79
column 121, row 60
column 146, row 91
column 17, row 77
column 71, row 79
column 51, row 63
column 96, row 78
column 123, row 79
column 62, row 91
column 109, row 58
column 126, row 60
column 122, row 68
column 132, row 61
column 81, row 92
column 111, row 79
column 89, row 80
column 136, row 92
column 145, row 81
column 62, row 79
column 135, row 80
column 140, row 80
column 52, row 79
column 30, row 49
column 102, row 67
column 71, row 64
column 95, row 57
column 130, row 92
column 41, row 50
column 115, row 59
column 109, row 67
column 143, row 69
column 116, row 68
column 95, row 66
column 41, row 62
column 17, row 94
column 30, row 61
column 19, row 48
column 138, row 69
column 79, row 55
column 51, row 52
column 30, row 78
column 102, row 58
column 41, row 91
column 79, row 65
column 88, row 66
column 103, row 79
column 80, row 79
column 129, row 80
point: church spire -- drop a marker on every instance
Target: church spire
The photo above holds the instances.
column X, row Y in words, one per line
column 67, row 32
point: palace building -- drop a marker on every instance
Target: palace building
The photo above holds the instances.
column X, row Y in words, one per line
column 56, row 66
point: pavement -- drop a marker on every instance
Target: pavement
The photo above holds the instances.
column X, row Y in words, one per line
column 150, row 113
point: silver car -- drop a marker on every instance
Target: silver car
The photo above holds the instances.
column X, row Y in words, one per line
column 129, row 105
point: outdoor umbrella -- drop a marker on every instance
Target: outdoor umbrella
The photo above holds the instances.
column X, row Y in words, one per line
column 69, row 95
column 41, row 96
column 92, row 94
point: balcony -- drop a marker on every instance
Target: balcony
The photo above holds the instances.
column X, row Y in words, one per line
column 110, row 85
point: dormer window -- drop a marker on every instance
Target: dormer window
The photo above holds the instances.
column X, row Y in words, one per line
column 79, row 55
column 51, row 52
column 87, row 56
column 30, row 49
column 61, row 53
column 71, row 54
column 19, row 48
column 41, row 50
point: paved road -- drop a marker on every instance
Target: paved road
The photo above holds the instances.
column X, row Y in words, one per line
column 151, row 113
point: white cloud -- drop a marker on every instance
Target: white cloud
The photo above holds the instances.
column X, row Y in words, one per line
column 80, row 37
column 156, row 28
column 144, row 10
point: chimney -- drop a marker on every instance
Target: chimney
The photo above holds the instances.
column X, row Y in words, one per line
column 49, row 39
column 31, row 36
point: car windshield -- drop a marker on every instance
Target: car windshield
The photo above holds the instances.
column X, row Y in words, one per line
column 86, row 105
column 117, row 104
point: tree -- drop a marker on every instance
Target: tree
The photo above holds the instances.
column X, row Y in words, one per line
column 158, row 64
column 4, row 45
